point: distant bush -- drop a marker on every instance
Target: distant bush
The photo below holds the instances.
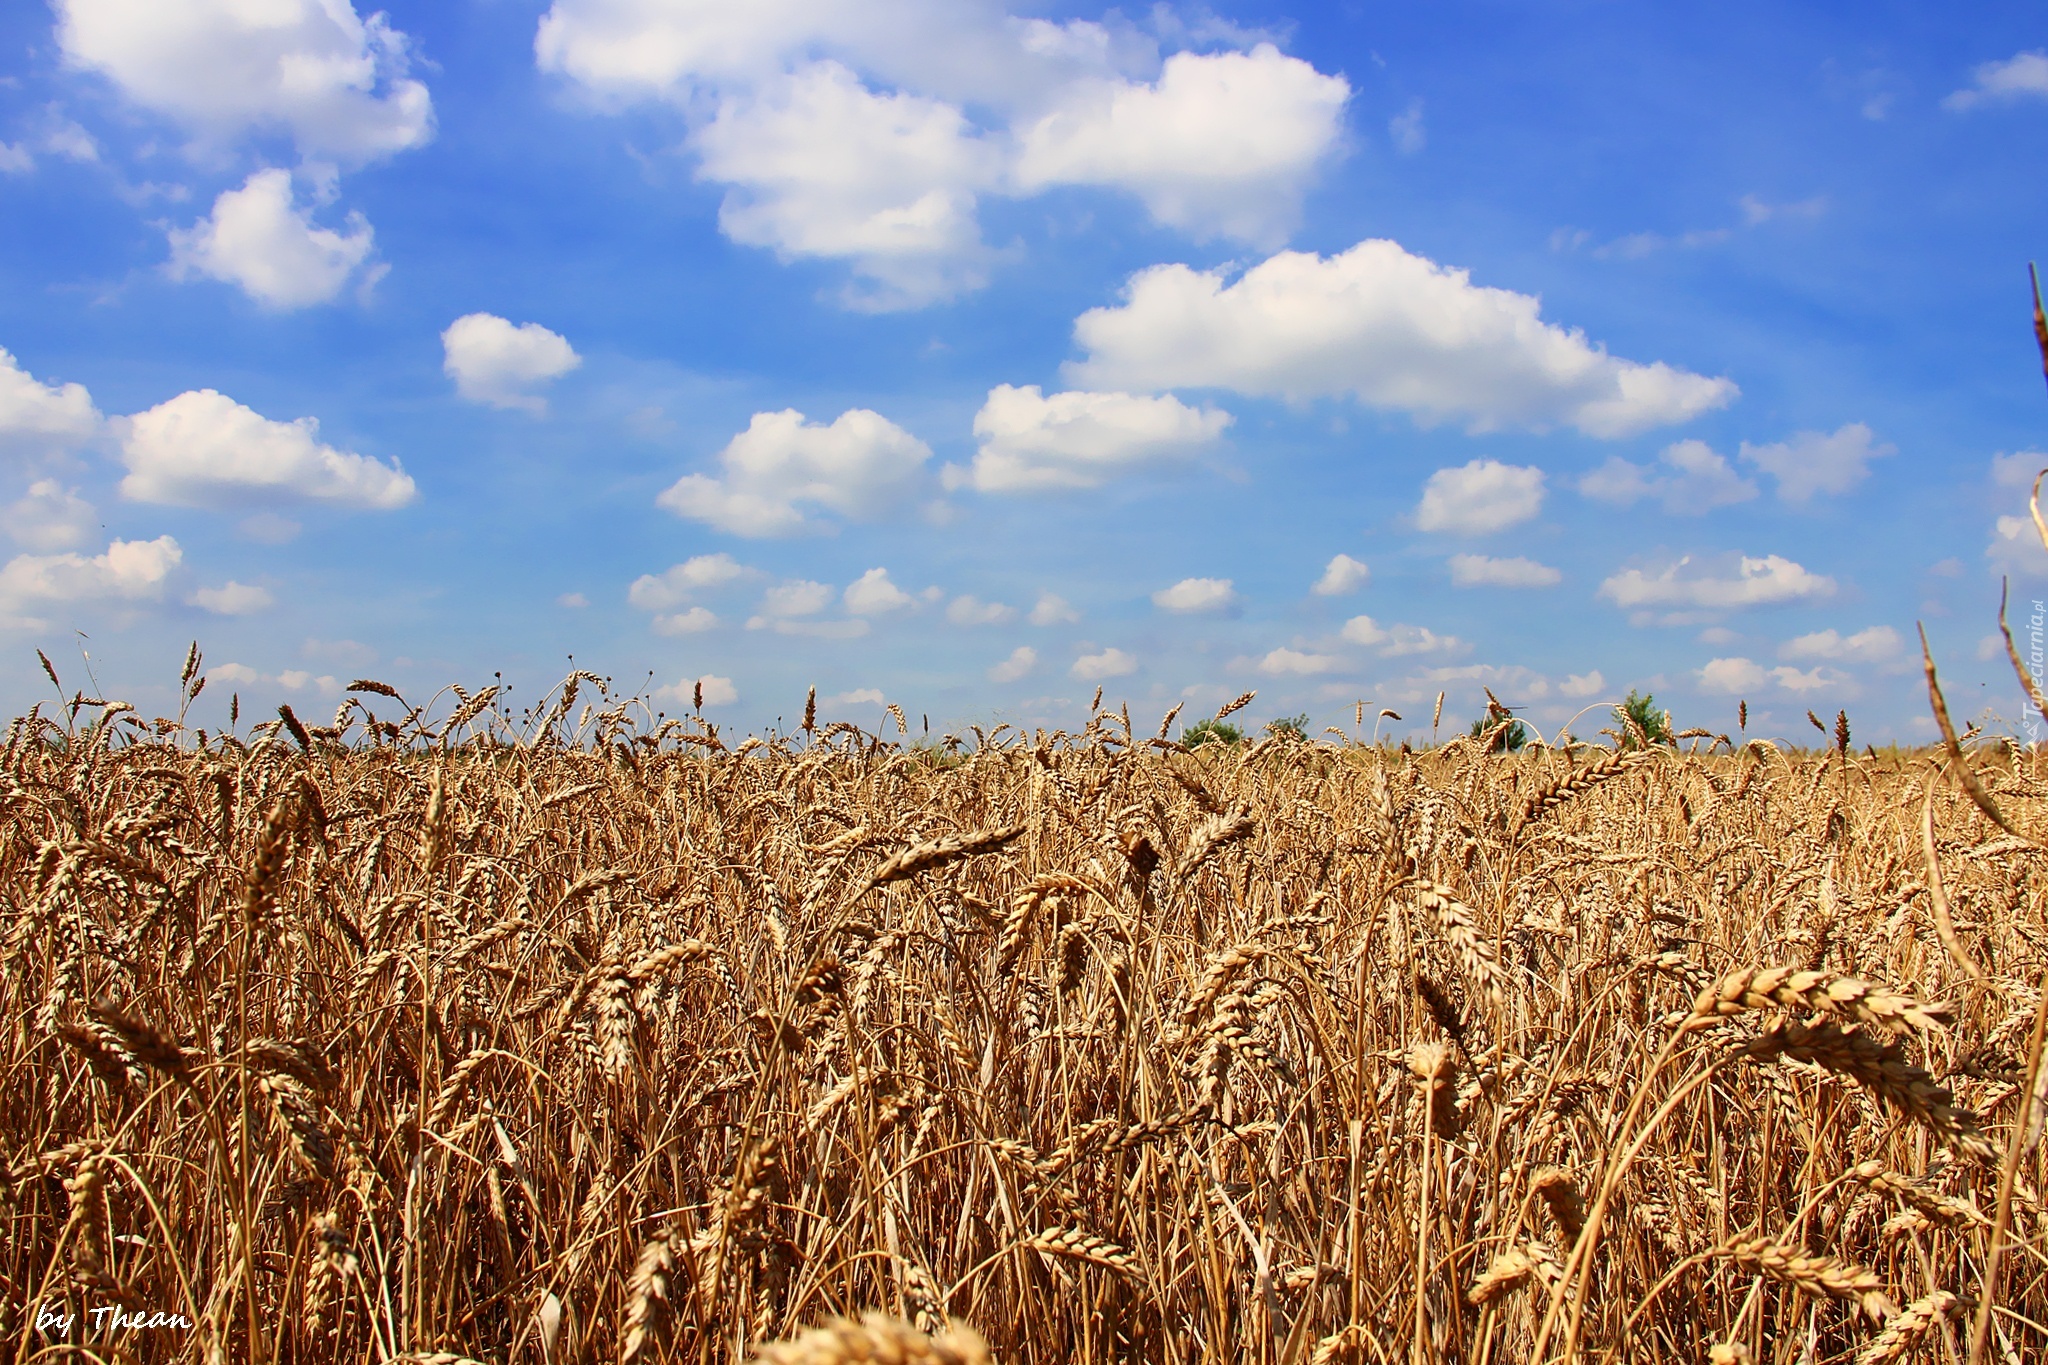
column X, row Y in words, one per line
column 1211, row 732
column 1507, row 741
column 1654, row 725
column 1288, row 727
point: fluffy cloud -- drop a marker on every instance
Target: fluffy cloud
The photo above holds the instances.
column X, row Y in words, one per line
column 1221, row 144
column 1391, row 329
column 859, row 696
column 972, row 611
column 2020, row 77
column 1483, row 571
column 2016, row 469
column 335, row 81
column 491, row 361
column 1818, row 462
column 1479, row 498
column 1577, row 685
column 1738, row 675
column 1196, row 595
column 2015, row 548
column 862, row 465
column 717, row 691
column 1079, row 439
column 692, row 622
column 841, row 131
column 1731, row 676
column 1341, row 575
column 204, row 449
column 681, row 50
column 49, row 517
column 786, row 609
column 823, row 167
column 1286, row 662
column 39, row 419
column 291, row 679
column 232, row 599
column 1052, row 610
column 1397, row 640
column 1694, row 479
column 258, row 240
column 676, row 585
column 1021, row 661
column 129, row 571
column 872, row 594
column 1754, row 582
column 798, row 597
column 1110, row 663
column 1873, row 645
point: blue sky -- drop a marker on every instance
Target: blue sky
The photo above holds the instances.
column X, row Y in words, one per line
column 967, row 358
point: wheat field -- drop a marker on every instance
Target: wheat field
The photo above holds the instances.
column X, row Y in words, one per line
column 578, row 1037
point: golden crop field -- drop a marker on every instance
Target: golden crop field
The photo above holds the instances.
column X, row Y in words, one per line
column 399, row 1042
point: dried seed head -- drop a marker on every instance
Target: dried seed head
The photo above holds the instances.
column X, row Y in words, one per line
column 879, row 1339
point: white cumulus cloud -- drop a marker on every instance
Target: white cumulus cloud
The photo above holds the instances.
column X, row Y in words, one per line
column 259, row 240
column 203, row 448
column 821, row 166
column 1293, row 662
column 1735, row 675
column 1480, row 497
column 717, row 691
column 1109, row 663
column 692, row 622
column 1694, row 479
column 1341, row 575
column 1578, row 685
column 2022, row 76
column 1391, row 329
column 1020, row 663
column 2016, row 548
column 1052, row 610
column 1746, row 582
column 1196, row 595
column 676, row 584
column 1080, row 439
column 1484, row 571
column 1819, row 462
column 38, row 419
column 843, row 132
column 1221, row 144
column 128, row 571
column 859, row 696
column 862, row 465
column 1732, row 675
column 494, row 362
column 232, row 599
column 1871, row 645
column 290, row 679
column 49, row 517
column 799, row 597
column 873, row 594
column 968, row 610
column 335, row 81
column 1398, row 640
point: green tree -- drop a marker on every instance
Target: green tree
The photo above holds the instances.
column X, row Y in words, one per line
column 1211, row 732
column 1653, row 724
column 1289, row 727
column 1507, row 741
